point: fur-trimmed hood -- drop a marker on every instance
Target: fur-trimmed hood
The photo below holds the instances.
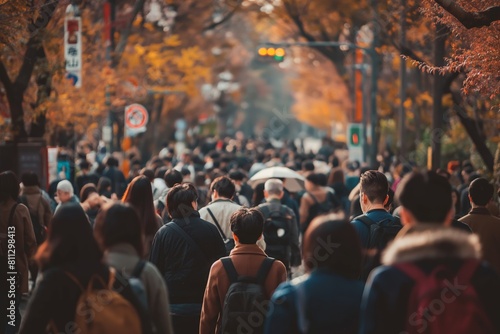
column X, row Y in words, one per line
column 432, row 243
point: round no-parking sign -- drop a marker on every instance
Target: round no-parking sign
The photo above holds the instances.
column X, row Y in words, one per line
column 136, row 116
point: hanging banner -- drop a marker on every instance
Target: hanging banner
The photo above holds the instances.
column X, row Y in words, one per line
column 136, row 119
column 73, row 49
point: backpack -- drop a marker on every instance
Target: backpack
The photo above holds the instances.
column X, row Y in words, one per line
column 277, row 232
column 246, row 304
column 104, row 310
column 39, row 229
column 137, row 285
column 380, row 235
column 444, row 302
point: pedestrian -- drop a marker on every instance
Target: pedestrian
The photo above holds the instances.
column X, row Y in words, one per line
column 482, row 222
column 430, row 267
column 65, row 194
column 91, row 201
column 327, row 299
column 118, row 182
column 246, row 260
column 281, row 232
column 69, row 259
column 15, row 224
column 120, row 236
column 140, row 196
column 183, row 251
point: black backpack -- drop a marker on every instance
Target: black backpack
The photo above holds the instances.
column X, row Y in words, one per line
column 277, row 232
column 380, row 235
column 245, row 305
column 39, row 229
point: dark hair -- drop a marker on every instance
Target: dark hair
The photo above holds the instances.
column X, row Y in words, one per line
column 389, row 205
column 172, row 177
column 140, row 195
column 308, row 165
column 333, row 244
column 374, row 185
column 199, row 179
column 185, row 171
column 9, row 186
column 119, row 223
column 179, row 200
column 336, row 176
column 70, row 241
column 481, row 191
column 87, row 189
column 30, row 179
column 458, row 204
column 318, row 179
column 103, row 184
column 224, row 186
column 426, row 195
column 236, row 175
column 258, row 194
column 148, row 173
column 84, row 164
column 247, row 224
column 112, row 162
column 160, row 172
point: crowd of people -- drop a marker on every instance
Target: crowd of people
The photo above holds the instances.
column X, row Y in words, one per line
column 186, row 244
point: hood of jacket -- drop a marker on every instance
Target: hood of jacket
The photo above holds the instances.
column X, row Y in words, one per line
column 432, row 243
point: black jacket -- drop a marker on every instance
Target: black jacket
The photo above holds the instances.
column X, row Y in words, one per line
column 185, row 268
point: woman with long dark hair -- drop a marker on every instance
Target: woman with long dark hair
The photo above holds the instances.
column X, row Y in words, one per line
column 118, row 233
column 139, row 194
column 328, row 298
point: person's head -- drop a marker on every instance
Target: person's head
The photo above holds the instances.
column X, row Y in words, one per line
column 103, row 185
column 9, row 186
column 84, row 166
column 119, row 223
column 181, row 200
column 140, row 196
column 467, row 171
column 336, row 176
column 64, row 191
column 30, row 179
column 308, row 166
column 199, row 179
column 112, row 162
column 160, row 172
column 87, row 192
column 425, row 198
column 148, row 173
column 237, row 176
column 315, row 180
column 69, row 241
column 247, row 225
column 373, row 189
column 331, row 242
column 480, row 192
column 273, row 188
column 222, row 187
column 172, row 177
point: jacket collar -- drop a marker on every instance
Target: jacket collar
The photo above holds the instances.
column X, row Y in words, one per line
column 480, row 211
column 432, row 243
column 246, row 249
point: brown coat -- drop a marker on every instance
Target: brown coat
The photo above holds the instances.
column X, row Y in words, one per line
column 24, row 236
column 487, row 227
column 247, row 260
column 38, row 204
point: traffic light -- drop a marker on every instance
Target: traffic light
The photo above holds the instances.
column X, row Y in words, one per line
column 271, row 53
column 354, row 135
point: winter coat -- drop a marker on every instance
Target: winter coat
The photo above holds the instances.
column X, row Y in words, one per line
column 185, row 268
column 38, row 204
column 385, row 299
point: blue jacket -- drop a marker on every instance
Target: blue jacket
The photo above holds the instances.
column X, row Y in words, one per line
column 329, row 303
column 385, row 309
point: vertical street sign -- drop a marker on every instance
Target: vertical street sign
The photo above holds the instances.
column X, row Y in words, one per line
column 73, row 46
column 355, row 142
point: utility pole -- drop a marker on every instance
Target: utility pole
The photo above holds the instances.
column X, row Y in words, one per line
column 374, row 85
column 402, row 85
column 109, row 30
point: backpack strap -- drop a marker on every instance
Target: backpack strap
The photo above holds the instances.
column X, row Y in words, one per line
column 365, row 220
column 186, row 237
column 138, row 269
column 264, row 270
column 313, row 197
column 217, row 223
column 230, row 269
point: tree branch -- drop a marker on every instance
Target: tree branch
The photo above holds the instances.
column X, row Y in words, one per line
column 224, row 19
column 4, row 76
column 471, row 19
column 120, row 46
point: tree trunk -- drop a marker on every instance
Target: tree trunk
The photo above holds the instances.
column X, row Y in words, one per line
column 15, row 98
column 437, row 96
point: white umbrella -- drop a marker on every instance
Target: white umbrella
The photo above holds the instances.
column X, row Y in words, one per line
column 293, row 181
